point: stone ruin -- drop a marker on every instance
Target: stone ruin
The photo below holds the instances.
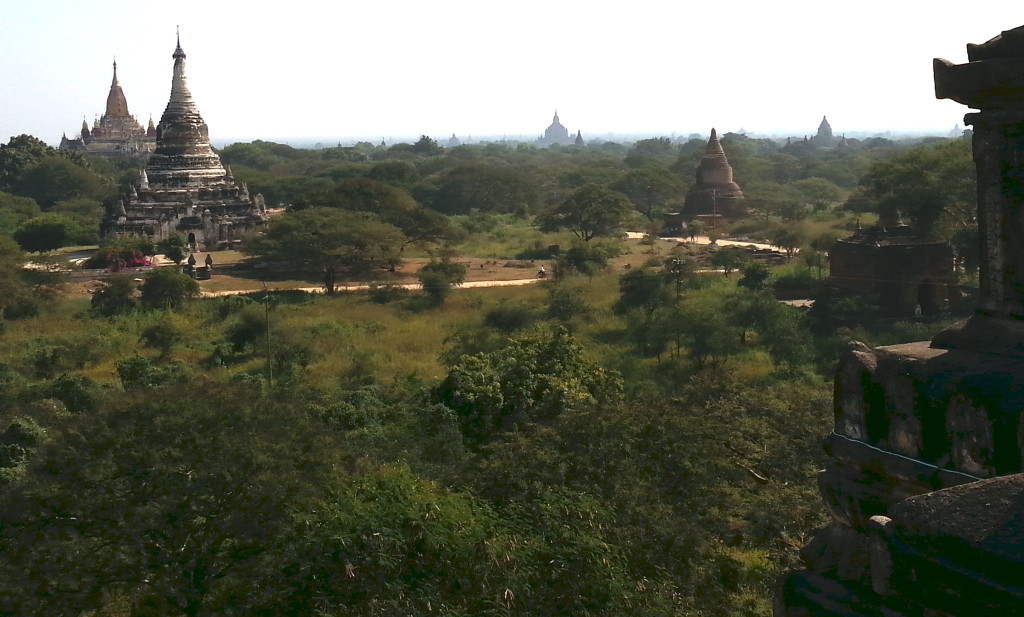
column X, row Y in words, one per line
column 924, row 480
column 909, row 275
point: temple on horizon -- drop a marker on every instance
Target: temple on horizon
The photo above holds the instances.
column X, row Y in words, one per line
column 556, row 134
column 184, row 187
column 116, row 132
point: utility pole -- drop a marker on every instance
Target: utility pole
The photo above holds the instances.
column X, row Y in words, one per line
column 714, row 208
column 270, row 357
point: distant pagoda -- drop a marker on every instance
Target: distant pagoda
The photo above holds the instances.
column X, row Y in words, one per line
column 184, row 187
column 824, row 137
column 555, row 134
column 715, row 194
column 116, row 132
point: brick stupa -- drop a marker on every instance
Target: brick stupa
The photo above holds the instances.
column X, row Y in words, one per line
column 715, row 193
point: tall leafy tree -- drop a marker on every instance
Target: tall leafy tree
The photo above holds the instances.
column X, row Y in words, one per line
column 932, row 187
column 17, row 297
column 645, row 290
column 589, row 212
column 19, row 153
column 56, row 178
column 534, row 378
column 167, row 288
column 45, row 233
column 476, row 186
column 392, row 204
column 174, row 247
column 650, row 189
column 116, row 297
column 332, row 241
column 729, row 258
column 15, row 210
column 437, row 278
column 173, row 520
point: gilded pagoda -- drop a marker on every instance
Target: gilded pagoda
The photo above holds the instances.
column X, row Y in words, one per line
column 116, row 132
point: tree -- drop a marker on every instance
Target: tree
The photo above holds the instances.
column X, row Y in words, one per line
column 772, row 199
column 18, row 298
column 475, row 186
column 139, row 373
column 86, row 214
column 56, row 178
column 392, row 204
column 729, row 258
column 438, row 277
column 45, row 233
column 162, row 336
column 682, row 271
column 751, row 311
column 650, row 153
column 655, row 146
column 642, row 294
column 19, row 153
column 788, row 238
column 178, row 519
column 116, row 297
column 401, row 174
column 818, row 192
column 703, row 330
column 167, row 288
column 932, row 187
column 426, row 146
column 532, row 379
column 332, row 241
column 650, row 189
column 15, row 210
column 787, row 338
column 590, row 211
column 755, row 275
column 694, row 229
column 643, row 289
column 584, row 258
column 173, row 246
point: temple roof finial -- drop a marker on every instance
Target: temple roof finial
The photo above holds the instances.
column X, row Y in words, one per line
column 178, row 52
column 117, row 106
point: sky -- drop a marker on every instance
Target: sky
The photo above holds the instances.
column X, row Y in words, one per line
column 301, row 70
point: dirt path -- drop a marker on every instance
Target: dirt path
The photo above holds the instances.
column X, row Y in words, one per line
column 346, row 288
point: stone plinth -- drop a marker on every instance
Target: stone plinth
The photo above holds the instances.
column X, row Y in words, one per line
column 909, row 420
column 956, row 552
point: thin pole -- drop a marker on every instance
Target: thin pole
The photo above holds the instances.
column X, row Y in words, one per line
column 714, row 208
column 270, row 358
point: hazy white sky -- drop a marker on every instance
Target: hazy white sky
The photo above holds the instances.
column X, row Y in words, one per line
column 302, row 69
